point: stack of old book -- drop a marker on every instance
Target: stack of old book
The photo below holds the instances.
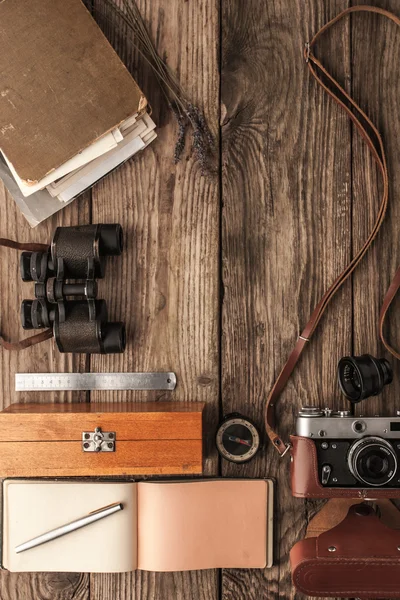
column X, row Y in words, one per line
column 70, row 112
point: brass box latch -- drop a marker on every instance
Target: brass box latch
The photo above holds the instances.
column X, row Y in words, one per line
column 98, row 441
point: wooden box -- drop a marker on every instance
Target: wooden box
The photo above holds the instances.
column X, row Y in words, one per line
column 59, row 440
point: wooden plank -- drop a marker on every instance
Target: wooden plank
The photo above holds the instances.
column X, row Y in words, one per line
column 169, row 423
column 35, row 586
column 376, row 54
column 285, row 236
column 142, row 585
column 66, row 459
column 165, row 285
column 44, row 357
column 140, row 410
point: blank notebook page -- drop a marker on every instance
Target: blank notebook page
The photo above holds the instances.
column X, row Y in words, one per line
column 202, row 525
column 35, row 507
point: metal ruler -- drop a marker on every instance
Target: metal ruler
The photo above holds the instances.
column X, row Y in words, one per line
column 49, row 382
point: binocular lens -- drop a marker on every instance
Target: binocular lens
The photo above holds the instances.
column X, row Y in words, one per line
column 34, row 266
column 363, row 376
column 34, row 314
column 111, row 240
column 114, row 338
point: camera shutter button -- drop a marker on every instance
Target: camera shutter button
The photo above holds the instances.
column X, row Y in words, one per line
column 341, row 413
column 311, row 411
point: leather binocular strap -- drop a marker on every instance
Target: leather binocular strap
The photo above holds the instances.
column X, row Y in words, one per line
column 374, row 141
column 30, row 247
column 39, row 337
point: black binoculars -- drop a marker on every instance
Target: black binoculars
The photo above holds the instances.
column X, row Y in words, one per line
column 79, row 321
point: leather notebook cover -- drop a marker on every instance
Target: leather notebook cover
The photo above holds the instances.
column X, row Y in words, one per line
column 164, row 526
column 62, row 86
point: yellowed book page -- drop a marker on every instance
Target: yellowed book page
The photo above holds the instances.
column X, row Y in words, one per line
column 32, row 508
column 202, row 525
column 98, row 148
column 56, row 188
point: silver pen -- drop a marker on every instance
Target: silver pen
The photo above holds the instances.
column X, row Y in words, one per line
column 92, row 517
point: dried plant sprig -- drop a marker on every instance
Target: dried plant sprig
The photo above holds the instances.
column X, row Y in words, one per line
column 182, row 128
column 188, row 116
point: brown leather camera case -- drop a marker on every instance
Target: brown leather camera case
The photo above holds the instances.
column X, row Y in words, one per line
column 360, row 557
column 305, row 481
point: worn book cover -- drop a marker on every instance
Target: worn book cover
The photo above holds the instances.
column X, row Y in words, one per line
column 62, row 86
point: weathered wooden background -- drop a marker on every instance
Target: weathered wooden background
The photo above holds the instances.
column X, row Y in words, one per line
column 220, row 274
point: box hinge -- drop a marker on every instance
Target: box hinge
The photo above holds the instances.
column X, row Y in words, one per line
column 98, row 441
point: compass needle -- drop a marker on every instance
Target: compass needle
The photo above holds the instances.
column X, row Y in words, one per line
column 233, row 438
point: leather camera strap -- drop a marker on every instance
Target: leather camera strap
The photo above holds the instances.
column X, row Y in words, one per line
column 390, row 294
column 39, row 337
column 374, row 141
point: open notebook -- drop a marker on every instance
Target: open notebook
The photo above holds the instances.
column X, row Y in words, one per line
column 164, row 526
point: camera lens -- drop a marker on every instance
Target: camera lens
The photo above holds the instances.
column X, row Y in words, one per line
column 363, row 376
column 372, row 461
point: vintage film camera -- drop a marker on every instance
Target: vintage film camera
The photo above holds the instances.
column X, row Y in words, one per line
column 66, row 289
column 337, row 454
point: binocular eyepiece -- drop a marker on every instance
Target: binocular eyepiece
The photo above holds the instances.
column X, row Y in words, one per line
column 79, row 321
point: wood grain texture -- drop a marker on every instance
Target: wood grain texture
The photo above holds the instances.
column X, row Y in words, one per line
column 168, row 273
column 66, row 459
column 376, row 55
column 44, row 586
column 142, row 585
column 150, row 411
column 166, row 423
column 286, row 235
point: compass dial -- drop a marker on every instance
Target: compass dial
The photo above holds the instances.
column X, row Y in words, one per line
column 237, row 439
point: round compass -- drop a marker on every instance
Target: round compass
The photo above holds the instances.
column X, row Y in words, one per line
column 237, row 438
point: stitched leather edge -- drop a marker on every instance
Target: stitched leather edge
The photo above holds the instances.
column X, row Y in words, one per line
column 348, row 561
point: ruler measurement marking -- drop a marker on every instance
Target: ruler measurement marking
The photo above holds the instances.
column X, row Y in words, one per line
column 94, row 381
